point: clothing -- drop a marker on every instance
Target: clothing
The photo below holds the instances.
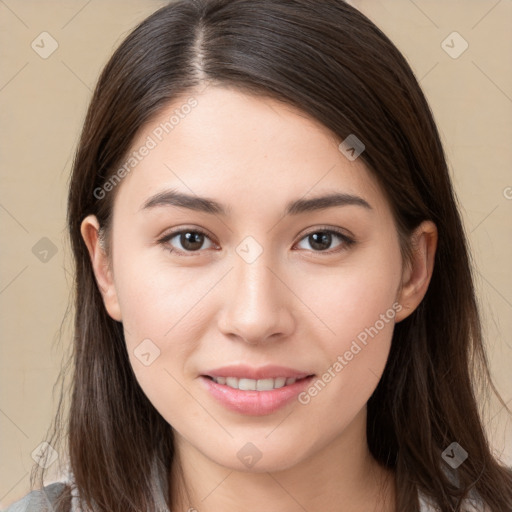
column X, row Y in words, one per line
column 41, row 500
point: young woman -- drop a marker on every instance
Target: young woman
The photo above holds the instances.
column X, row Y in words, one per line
column 274, row 301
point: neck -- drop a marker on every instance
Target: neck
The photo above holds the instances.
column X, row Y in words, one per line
column 342, row 476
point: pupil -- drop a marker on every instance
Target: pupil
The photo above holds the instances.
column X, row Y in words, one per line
column 189, row 239
column 320, row 240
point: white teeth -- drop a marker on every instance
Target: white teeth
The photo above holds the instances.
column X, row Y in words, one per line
column 279, row 382
column 232, row 382
column 265, row 384
column 255, row 385
column 247, row 384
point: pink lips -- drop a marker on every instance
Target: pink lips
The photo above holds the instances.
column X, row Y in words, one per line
column 255, row 403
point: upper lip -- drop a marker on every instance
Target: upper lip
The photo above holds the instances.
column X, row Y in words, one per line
column 263, row 372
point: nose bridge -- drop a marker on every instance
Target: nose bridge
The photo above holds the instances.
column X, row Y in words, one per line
column 255, row 308
column 254, row 283
column 252, row 275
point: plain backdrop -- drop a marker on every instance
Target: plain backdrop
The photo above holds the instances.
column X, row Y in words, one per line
column 44, row 91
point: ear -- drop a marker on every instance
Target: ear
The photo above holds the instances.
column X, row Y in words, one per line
column 417, row 272
column 101, row 265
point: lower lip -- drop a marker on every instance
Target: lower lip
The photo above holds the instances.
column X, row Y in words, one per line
column 254, row 403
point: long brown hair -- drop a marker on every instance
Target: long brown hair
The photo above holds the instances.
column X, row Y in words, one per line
column 335, row 65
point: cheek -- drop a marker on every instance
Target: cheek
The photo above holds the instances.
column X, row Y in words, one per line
column 154, row 318
column 162, row 317
column 353, row 296
column 156, row 298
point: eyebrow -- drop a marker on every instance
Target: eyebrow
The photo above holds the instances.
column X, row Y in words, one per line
column 207, row 205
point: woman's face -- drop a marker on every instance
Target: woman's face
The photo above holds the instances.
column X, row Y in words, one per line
column 263, row 286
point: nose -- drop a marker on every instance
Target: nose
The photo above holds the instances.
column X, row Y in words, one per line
column 258, row 305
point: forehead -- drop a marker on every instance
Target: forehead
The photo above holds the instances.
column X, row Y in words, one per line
column 247, row 151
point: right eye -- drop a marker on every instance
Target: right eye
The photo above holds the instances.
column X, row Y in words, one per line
column 190, row 240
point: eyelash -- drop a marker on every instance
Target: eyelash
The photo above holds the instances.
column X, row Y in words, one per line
column 347, row 241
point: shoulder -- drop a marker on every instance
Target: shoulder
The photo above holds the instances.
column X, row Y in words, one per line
column 38, row 500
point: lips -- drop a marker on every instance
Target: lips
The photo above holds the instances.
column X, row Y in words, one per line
column 255, row 391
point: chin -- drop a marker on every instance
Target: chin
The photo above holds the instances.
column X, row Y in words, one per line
column 259, row 455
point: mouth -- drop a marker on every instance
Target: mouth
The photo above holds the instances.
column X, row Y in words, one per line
column 246, row 384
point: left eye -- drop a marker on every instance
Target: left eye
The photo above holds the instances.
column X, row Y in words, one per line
column 319, row 239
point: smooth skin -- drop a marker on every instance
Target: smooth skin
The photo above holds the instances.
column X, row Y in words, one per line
column 297, row 305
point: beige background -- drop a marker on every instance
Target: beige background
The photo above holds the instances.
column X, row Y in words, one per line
column 42, row 105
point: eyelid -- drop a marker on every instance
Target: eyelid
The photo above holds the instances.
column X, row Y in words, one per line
column 339, row 231
column 181, row 229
